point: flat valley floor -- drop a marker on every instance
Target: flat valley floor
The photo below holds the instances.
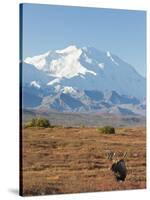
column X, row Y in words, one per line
column 73, row 160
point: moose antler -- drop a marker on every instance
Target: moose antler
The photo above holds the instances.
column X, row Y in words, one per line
column 110, row 155
column 124, row 155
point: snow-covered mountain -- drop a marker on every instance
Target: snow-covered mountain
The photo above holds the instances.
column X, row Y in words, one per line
column 82, row 79
column 90, row 69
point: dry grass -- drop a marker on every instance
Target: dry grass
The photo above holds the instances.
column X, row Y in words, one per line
column 62, row 160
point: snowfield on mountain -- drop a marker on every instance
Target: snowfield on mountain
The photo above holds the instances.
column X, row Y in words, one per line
column 83, row 79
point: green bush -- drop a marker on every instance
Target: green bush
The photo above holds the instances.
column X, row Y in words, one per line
column 82, row 126
column 107, row 130
column 38, row 122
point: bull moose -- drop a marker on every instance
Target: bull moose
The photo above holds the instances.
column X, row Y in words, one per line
column 118, row 166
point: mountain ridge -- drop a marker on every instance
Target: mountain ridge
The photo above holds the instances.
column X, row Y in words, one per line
column 89, row 68
column 83, row 80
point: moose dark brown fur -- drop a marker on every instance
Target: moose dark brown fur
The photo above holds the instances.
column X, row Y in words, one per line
column 120, row 170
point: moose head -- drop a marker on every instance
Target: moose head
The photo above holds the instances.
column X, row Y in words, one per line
column 118, row 166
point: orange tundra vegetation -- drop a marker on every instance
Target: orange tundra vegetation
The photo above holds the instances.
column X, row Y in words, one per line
column 72, row 160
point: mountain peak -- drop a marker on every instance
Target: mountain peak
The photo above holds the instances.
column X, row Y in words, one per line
column 68, row 49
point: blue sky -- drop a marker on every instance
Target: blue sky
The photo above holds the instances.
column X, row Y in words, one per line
column 122, row 32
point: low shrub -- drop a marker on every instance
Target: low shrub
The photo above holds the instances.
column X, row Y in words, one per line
column 38, row 122
column 107, row 129
column 28, row 124
column 82, row 126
